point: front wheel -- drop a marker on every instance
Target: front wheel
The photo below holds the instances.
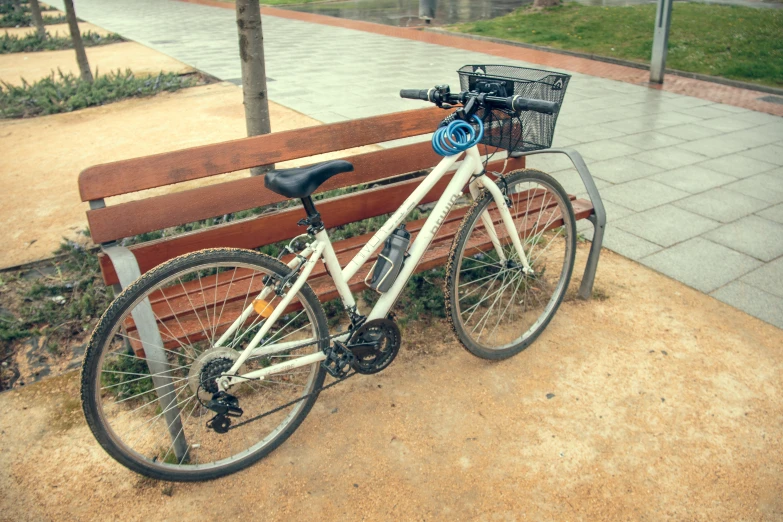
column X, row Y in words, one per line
column 496, row 307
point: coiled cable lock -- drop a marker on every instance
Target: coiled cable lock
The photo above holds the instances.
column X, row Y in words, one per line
column 456, row 137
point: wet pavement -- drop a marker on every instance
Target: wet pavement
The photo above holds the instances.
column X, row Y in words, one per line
column 405, row 13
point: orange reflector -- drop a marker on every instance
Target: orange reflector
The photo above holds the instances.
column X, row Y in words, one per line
column 263, row 308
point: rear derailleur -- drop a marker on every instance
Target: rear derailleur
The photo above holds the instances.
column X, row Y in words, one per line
column 225, row 406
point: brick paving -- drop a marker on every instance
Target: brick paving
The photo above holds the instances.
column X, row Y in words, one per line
column 691, row 173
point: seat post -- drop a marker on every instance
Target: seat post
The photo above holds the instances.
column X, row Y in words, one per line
column 313, row 217
column 309, row 207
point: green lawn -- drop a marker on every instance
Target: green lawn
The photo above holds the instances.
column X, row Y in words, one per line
column 740, row 43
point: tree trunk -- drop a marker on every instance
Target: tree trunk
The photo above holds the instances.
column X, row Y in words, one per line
column 35, row 11
column 78, row 45
column 251, row 52
column 545, row 3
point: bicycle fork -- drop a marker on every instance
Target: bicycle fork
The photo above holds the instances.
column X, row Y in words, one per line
column 505, row 214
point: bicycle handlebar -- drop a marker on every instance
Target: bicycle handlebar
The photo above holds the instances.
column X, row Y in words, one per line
column 527, row 104
column 513, row 103
column 415, row 94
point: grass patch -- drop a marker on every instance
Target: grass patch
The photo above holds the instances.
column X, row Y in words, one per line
column 33, row 43
column 739, row 43
column 67, row 92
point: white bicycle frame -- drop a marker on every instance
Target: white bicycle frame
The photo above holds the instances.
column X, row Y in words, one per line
column 321, row 248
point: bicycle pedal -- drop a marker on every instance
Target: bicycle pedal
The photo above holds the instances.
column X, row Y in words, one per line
column 339, row 360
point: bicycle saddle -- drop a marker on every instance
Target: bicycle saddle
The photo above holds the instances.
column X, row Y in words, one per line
column 301, row 182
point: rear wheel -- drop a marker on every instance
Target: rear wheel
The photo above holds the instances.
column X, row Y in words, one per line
column 144, row 390
column 495, row 307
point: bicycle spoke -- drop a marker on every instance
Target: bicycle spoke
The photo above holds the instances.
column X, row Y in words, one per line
column 155, row 347
column 497, row 294
column 193, row 307
column 154, row 419
column 511, row 300
column 143, row 376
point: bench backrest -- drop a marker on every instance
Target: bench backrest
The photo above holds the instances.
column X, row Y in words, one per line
column 110, row 223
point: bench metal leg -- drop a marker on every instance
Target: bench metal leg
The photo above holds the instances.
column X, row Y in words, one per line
column 598, row 218
column 128, row 271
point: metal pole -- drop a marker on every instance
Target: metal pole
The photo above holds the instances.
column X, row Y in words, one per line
column 427, row 9
column 127, row 269
column 663, row 21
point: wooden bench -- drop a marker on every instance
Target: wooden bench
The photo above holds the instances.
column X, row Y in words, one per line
column 392, row 167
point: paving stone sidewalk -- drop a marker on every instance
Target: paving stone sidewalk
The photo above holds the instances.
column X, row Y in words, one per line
column 693, row 189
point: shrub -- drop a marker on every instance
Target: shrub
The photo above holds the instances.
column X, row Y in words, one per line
column 67, row 92
column 8, row 6
column 23, row 19
column 32, row 43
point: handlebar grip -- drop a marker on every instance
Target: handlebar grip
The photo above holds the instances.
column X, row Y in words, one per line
column 415, row 94
column 525, row 104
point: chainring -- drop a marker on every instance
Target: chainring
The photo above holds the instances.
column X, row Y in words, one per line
column 375, row 345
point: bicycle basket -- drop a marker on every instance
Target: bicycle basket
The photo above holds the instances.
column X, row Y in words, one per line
column 516, row 132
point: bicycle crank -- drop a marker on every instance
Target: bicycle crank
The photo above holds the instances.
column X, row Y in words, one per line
column 375, row 345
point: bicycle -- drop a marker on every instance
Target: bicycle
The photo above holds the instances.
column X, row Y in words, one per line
column 203, row 406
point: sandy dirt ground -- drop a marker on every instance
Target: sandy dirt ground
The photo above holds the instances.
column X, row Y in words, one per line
column 105, row 58
column 42, row 157
column 54, row 30
column 657, row 403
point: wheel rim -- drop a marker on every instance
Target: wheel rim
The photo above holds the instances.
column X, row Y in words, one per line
column 136, row 410
column 497, row 305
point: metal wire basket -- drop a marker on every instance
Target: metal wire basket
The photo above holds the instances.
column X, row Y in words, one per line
column 515, row 132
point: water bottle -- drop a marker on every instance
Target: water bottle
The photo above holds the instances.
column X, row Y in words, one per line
column 389, row 263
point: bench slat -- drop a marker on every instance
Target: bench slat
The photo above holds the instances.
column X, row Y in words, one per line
column 159, row 212
column 281, row 225
column 133, row 175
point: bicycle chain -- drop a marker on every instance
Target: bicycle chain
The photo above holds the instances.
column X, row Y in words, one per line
column 303, row 397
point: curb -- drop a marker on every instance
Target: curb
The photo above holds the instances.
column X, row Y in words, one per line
column 614, row 61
